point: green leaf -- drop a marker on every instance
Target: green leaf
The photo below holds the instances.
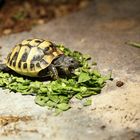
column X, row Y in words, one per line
column 63, row 106
column 100, row 81
column 87, row 57
column 43, row 90
column 87, row 102
column 83, row 77
column 88, row 93
column 57, row 111
column 41, row 100
column 94, row 63
column 63, row 99
column 79, row 96
column 134, row 44
column 96, row 73
column 22, row 87
column 4, row 75
column 54, row 98
column 51, row 104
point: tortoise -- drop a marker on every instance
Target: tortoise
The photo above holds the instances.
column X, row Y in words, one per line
column 39, row 58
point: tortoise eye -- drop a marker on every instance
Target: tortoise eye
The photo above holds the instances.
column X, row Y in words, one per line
column 72, row 61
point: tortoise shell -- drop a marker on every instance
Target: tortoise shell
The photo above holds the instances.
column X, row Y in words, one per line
column 32, row 56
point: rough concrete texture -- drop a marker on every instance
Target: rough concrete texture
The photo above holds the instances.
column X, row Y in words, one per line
column 101, row 31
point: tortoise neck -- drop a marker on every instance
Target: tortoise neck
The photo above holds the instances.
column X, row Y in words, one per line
column 58, row 61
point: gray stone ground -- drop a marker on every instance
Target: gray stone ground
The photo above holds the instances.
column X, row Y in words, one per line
column 100, row 30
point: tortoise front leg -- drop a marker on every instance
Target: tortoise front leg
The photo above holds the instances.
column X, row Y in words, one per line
column 53, row 72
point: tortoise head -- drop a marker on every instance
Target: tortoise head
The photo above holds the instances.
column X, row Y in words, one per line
column 66, row 64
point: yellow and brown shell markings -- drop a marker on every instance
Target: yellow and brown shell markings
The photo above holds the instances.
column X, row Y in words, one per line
column 32, row 56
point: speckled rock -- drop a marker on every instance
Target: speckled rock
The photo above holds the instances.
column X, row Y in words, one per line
column 101, row 31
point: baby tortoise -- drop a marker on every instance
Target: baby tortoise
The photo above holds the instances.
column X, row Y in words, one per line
column 39, row 58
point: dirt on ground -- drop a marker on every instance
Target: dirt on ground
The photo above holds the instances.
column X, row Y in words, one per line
column 5, row 120
column 17, row 16
column 9, row 127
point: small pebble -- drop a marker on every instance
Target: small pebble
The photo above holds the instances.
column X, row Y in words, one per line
column 119, row 83
column 109, row 106
column 103, row 127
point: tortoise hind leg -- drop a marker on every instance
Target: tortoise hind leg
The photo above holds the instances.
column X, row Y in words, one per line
column 3, row 67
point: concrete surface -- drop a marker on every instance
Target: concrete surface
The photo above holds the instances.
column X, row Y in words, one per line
column 101, row 31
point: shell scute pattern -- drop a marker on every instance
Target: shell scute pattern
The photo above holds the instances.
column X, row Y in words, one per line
column 32, row 56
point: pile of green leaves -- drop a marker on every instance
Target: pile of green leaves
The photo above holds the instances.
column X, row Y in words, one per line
column 57, row 94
